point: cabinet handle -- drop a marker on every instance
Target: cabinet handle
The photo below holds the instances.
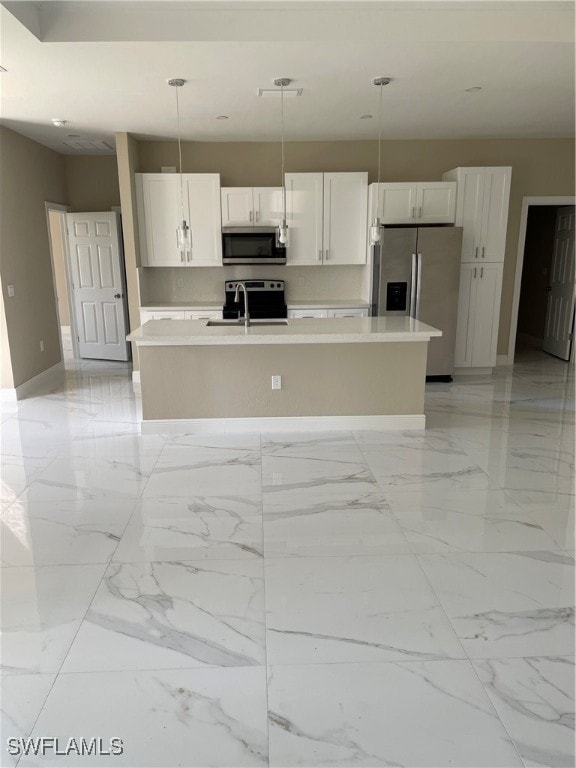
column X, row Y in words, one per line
column 476, row 253
column 481, row 272
column 251, row 216
column 320, row 255
column 182, row 256
column 327, row 254
column 414, row 212
column 257, row 216
column 483, row 249
column 420, row 212
column 475, row 270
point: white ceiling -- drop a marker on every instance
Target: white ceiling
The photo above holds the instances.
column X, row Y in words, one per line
column 103, row 67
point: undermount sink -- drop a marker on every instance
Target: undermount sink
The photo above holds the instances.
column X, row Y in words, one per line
column 253, row 323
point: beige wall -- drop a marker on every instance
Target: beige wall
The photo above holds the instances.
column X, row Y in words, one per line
column 127, row 154
column 92, row 182
column 58, row 261
column 6, row 377
column 317, row 380
column 31, row 175
column 539, row 167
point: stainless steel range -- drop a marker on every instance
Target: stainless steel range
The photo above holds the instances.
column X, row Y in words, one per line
column 266, row 299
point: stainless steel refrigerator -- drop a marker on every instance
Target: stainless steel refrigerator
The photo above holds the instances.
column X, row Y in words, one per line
column 416, row 272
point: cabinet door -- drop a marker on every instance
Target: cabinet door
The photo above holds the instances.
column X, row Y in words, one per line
column 237, row 207
column 345, row 217
column 436, row 202
column 304, row 202
column 486, row 314
column 397, row 203
column 203, row 314
column 159, row 215
column 268, row 206
column 307, row 313
column 203, row 190
column 466, row 310
column 353, row 312
column 495, row 213
column 469, row 210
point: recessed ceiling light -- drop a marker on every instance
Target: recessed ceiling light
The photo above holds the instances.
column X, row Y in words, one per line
column 221, row 117
column 72, row 135
column 59, row 123
column 366, row 117
column 473, row 88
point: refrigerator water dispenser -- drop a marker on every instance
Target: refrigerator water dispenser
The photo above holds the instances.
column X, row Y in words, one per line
column 396, row 294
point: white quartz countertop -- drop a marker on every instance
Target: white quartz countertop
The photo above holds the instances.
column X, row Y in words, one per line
column 325, row 304
column 341, row 330
column 312, row 304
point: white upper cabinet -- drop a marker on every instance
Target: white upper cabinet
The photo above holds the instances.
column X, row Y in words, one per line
column 482, row 210
column 160, row 213
column 345, row 217
column 425, row 202
column 305, row 209
column 327, row 218
column 251, row 206
column 237, row 207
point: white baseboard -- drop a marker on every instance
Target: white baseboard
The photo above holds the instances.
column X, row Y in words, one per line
column 282, row 424
column 473, row 371
column 52, row 375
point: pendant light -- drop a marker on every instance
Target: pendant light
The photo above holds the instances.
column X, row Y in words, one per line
column 376, row 227
column 282, row 231
column 183, row 234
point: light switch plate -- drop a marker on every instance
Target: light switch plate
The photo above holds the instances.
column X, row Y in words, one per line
column 276, row 382
column 11, row 291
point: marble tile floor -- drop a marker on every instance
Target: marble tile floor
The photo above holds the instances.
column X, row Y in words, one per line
column 334, row 599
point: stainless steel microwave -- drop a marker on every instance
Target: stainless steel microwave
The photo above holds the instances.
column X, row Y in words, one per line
column 251, row 245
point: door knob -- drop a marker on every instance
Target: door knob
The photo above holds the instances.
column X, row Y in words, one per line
column 118, row 295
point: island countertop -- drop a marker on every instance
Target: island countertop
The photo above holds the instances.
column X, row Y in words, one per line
column 340, row 330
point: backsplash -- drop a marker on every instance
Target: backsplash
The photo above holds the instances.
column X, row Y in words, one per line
column 195, row 285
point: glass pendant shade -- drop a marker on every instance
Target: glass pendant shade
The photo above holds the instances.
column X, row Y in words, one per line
column 282, row 234
column 184, row 237
column 375, row 231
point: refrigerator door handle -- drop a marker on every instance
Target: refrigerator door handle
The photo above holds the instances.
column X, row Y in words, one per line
column 414, row 286
column 418, row 283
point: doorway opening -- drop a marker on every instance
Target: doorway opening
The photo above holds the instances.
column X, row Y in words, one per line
column 543, row 302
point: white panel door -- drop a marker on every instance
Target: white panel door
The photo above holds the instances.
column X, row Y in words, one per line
column 268, row 206
column 486, row 314
column 494, row 213
column 237, row 207
column 345, row 218
column 159, row 215
column 469, row 210
column 305, row 206
column 560, row 310
column 203, row 197
column 465, row 323
column 436, row 202
column 98, row 285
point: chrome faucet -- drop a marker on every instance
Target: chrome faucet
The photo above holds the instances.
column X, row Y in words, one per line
column 241, row 284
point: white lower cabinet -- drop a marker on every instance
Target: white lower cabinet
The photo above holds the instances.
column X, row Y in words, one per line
column 179, row 314
column 478, row 315
column 330, row 312
column 299, row 313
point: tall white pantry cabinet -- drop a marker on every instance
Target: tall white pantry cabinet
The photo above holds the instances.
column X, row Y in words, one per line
column 482, row 211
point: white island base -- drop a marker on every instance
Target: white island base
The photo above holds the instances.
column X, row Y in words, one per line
column 344, row 373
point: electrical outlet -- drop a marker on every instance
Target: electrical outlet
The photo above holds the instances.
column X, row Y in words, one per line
column 276, row 382
column 11, row 291
column 41, row 345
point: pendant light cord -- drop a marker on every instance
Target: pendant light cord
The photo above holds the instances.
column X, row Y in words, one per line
column 179, row 153
column 282, row 143
column 379, row 149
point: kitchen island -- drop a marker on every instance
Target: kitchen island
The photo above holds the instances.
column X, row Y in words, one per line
column 339, row 373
